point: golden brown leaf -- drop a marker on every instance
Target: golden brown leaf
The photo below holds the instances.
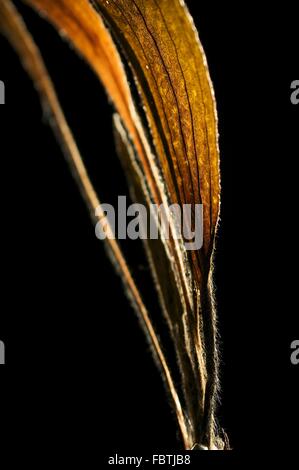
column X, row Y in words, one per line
column 170, row 155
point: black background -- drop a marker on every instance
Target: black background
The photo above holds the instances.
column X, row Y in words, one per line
column 79, row 374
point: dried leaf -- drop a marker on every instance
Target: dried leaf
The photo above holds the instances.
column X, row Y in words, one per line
column 170, row 154
column 161, row 46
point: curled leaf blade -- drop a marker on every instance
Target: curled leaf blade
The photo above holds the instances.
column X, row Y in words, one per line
column 171, row 156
